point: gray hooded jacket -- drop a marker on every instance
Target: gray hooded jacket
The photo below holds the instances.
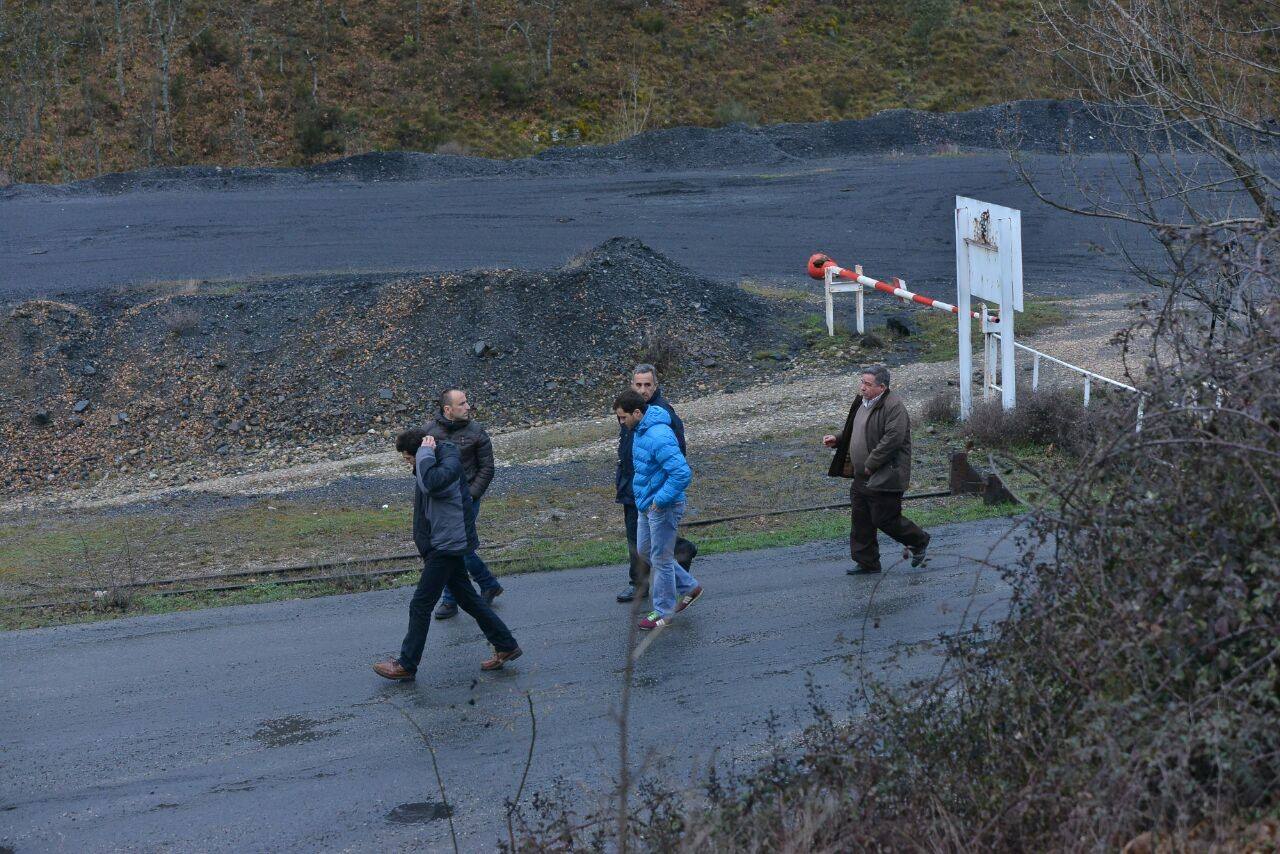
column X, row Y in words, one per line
column 442, row 502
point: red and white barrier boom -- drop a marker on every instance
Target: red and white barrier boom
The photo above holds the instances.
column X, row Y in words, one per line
column 823, row 267
column 989, row 267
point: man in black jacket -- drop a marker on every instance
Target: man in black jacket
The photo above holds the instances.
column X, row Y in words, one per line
column 444, row 532
column 454, row 424
column 644, row 379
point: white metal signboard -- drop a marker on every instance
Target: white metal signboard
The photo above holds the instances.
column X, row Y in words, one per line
column 988, row 266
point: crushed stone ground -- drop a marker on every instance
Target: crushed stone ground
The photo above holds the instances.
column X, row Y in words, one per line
column 790, row 401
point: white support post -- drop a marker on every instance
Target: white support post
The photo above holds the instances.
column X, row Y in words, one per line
column 857, row 298
column 831, row 313
column 1087, row 381
column 1008, row 369
column 988, row 356
column 1142, row 400
column 1035, row 372
column 964, row 325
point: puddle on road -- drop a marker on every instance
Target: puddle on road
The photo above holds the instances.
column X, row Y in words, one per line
column 293, row 729
column 419, row 813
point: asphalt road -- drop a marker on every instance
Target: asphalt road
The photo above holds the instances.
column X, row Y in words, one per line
column 263, row 728
column 893, row 214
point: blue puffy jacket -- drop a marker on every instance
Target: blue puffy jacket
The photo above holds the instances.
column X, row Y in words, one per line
column 661, row 472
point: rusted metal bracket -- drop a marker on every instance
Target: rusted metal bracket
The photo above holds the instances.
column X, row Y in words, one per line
column 966, row 480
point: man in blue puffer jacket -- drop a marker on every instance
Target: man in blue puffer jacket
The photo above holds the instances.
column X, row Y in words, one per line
column 660, row 479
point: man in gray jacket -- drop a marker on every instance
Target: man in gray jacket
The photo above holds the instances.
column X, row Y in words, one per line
column 874, row 451
column 444, row 532
column 455, row 424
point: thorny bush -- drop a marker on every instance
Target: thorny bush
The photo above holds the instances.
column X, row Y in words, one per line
column 1134, row 687
column 1054, row 416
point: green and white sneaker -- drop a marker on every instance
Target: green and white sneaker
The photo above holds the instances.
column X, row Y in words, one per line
column 654, row 621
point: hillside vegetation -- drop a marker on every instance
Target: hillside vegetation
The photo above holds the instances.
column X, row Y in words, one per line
column 110, row 85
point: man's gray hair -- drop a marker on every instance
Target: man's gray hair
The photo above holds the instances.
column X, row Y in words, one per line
column 645, row 368
column 880, row 372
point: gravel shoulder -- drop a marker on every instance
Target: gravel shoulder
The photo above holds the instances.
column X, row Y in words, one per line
column 797, row 399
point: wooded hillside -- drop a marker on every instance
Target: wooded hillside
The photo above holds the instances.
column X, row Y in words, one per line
column 93, row 86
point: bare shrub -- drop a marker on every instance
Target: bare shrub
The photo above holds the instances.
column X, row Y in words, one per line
column 1045, row 417
column 179, row 321
column 941, row 408
column 735, row 112
column 635, row 112
column 454, row 148
column 662, row 351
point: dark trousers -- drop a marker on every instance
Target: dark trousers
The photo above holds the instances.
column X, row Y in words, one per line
column 871, row 510
column 439, row 571
column 476, row 567
column 638, row 570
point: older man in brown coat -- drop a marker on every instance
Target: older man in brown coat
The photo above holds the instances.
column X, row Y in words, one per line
column 874, row 451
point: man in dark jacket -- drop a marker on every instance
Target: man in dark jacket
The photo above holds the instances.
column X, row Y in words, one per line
column 644, row 380
column 874, row 450
column 454, row 424
column 443, row 531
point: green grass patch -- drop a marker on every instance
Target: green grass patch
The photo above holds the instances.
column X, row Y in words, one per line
column 775, row 292
column 130, row 549
column 542, row 556
column 938, row 330
column 812, row 329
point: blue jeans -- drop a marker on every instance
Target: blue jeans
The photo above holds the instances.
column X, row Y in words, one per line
column 476, row 568
column 656, row 537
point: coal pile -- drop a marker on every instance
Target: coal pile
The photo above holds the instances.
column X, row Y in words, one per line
column 136, row 384
column 1033, row 125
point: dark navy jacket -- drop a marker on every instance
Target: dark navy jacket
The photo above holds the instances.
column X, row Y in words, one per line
column 626, row 467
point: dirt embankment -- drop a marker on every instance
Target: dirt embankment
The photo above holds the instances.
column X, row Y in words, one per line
column 1031, row 125
column 183, row 382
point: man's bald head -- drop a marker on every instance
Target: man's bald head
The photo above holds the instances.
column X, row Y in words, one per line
column 454, row 405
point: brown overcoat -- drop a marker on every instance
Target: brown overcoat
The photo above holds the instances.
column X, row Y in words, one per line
column 888, row 444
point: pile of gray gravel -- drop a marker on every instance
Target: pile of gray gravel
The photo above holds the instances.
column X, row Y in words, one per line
column 112, row 385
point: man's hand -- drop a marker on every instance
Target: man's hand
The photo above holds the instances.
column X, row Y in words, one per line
column 866, row 474
column 830, row 441
column 429, row 442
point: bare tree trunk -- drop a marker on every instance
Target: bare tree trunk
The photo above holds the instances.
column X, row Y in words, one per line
column 315, row 77
column 59, row 127
column 553, row 8
column 119, row 50
column 88, row 95
column 164, row 24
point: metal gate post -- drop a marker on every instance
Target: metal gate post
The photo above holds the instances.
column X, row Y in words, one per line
column 831, row 315
column 988, row 356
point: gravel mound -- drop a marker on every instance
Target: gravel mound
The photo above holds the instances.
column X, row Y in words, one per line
column 1039, row 125
column 183, row 382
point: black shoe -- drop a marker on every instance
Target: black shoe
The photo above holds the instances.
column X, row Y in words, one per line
column 862, row 570
column 628, row 593
column 446, row 610
column 489, row 595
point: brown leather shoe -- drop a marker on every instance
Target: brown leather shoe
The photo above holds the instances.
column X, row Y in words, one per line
column 500, row 658
column 391, row 669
